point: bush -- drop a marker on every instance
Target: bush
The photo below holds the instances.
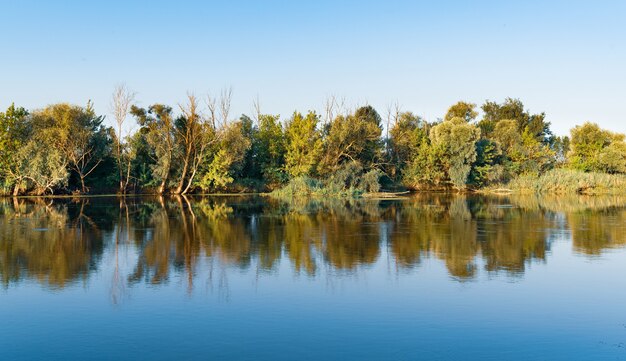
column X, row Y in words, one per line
column 348, row 181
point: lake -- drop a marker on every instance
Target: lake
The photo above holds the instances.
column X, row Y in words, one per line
column 431, row 277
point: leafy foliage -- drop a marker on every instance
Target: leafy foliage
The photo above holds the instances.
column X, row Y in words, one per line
column 65, row 148
column 304, row 144
column 352, row 138
column 595, row 149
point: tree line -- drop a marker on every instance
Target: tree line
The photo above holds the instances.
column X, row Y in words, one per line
column 197, row 147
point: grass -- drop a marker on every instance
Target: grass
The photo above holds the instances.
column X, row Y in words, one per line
column 565, row 181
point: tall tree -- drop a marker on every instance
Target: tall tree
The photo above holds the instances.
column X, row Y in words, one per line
column 158, row 126
column 271, row 143
column 188, row 131
column 121, row 102
column 458, row 140
column 196, row 135
column 304, row 144
column 13, row 136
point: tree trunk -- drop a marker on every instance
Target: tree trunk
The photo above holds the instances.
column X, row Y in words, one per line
column 82, row 184
column 162, row 187
column 191, row 177
column 16, row 189
column 127, row 177
column 181, row 184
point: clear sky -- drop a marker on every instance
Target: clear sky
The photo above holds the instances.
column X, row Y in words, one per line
column 567, row 58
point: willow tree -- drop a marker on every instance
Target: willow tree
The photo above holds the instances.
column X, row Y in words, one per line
column 304, row 144
column 33, row 159
column 78, row 134
column 458, row 140
column 42, row 164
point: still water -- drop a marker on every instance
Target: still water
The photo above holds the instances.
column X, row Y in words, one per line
column 249, row 278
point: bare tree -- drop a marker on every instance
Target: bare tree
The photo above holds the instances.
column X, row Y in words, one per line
column 330, row 107
column 120, row 106
column 225, row 100
column 392, row 114
column 219, row 108
column 256, row 103
column 211, row 103
column 333, row 107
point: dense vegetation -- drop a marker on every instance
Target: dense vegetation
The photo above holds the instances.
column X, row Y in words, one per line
column 65, row 148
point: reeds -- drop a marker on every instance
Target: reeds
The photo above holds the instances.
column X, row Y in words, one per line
column 565, row 181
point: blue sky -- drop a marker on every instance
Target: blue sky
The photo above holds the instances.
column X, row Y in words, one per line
column 567, row 58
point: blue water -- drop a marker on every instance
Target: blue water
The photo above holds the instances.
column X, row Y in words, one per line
column 237, row 285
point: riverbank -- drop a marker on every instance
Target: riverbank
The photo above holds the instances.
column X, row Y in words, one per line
column 563, row 181
column 553, row 182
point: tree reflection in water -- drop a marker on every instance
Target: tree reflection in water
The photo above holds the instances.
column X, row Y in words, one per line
column 59, row 242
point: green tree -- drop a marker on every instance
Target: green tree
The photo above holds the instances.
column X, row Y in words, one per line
column 407, row 134
column 428, row 167
column 78, row 134
column 251, row 170
column 142, row 161
column 157, row 128
column 513, row 109
column 523, row 152
column 596, row 149
column 271, row 148
column 486, row 167
column 13, row 136
column 228, row 159
column 355, row 137
column 463, row 110
column 458, row 140
column 303, row 144
column 561, row 146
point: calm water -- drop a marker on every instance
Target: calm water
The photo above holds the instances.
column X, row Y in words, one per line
column 431, row 277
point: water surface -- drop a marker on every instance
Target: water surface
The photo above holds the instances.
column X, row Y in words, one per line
column 248, row 278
